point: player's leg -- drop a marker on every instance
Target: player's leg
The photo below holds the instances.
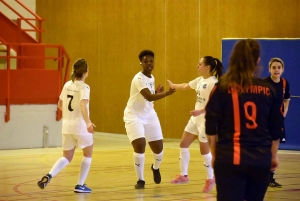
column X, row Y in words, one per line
column 272, row 182
column 86, row 143
column 154, row 136
column 258, row 181
column 206, row 155
column 68, row 145
column 135, row 133
column 189, row 135
column 230, row 182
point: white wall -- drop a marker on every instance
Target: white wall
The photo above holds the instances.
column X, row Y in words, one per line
column 25, row 128
column 31, row 4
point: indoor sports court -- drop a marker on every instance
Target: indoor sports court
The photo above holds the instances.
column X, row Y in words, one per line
column 112, row 176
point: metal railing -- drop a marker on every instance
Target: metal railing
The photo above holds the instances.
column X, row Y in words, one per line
column 62, row 58
column 35, row 28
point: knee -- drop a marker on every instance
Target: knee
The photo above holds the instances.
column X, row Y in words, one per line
column 140, row 148
column 69, row 158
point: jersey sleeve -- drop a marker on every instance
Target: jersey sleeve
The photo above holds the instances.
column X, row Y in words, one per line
column 193, row 83
column 62, row 93
column 287, row 94
column 139, row 83
column 213, row 112
column 85, row 92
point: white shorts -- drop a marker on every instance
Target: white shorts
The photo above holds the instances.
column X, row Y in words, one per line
column 144, row 127
column 196, row 130
column 69, row 141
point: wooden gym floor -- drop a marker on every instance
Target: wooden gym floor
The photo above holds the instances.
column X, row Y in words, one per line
column 112, row 175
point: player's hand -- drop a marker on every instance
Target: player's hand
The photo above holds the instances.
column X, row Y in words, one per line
column 171, row 91
column 197, row 112
column 90, row 127
column 160, row 89
column 171, row 84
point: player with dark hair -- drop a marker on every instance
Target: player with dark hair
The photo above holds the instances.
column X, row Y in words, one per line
column 209, row 69
column 282, row 88
column 242, row 125
column 141, row 120
column 77, row 128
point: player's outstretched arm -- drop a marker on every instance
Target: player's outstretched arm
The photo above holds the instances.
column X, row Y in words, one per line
column 182, row 86
column 157, row 96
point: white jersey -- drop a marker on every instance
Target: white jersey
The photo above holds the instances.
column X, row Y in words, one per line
column 137, row 105
column 203, row 89
column 71, row 95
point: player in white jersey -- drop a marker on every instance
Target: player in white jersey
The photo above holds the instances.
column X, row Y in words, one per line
column 77, row 129
column 141, row 121
column 204, row 84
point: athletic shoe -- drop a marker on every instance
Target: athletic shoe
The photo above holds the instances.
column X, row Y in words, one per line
column 180, row 179
column 82, row 189
column 209, row 185
column 44, row 181
column 140, row 184
column 275, row 184
column 156, row 175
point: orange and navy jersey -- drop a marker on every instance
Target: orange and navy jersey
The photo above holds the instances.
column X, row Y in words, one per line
column 245, row 121
column 282, row 89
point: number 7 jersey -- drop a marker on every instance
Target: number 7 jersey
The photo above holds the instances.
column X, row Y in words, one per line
column 71, row 95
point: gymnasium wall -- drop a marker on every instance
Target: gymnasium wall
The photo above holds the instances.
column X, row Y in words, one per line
column 110, row 35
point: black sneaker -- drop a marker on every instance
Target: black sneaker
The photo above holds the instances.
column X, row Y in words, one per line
column 140, row 184
column 156, row 175
column 44, row 181
column 275, row 184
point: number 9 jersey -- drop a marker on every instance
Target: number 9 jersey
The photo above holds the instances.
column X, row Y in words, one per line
column 246, row 122
column 71, row 95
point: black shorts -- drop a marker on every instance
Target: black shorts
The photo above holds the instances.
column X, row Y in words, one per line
column 239, row 183
column 283, row 137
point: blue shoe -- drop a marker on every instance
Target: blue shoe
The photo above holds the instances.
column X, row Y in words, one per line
column 82, row 189
column 44, row 181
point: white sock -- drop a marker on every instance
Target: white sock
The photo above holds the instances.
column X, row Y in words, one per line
column 139, row 161
column 207, row 164
column 58, row 166
column 184, row 160
column 157, row 158
column 84, row 169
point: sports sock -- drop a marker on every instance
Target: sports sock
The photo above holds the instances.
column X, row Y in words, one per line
column 184, row 160
column 58, row 166
column 157, row 158
column 207, row 164
column 84, row 169
column 139, row 161
column 272, row 176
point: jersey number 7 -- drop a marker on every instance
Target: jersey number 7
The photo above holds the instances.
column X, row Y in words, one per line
column 69, row 106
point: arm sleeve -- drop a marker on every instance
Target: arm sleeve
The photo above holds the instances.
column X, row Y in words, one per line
column 139, row 83
column 287, row 94
column 62, row 93
column 213, row 112
column 85, row 92
column 193, row 83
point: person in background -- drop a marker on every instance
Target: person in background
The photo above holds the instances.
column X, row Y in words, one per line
column 282, row 87
column 77, row 128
